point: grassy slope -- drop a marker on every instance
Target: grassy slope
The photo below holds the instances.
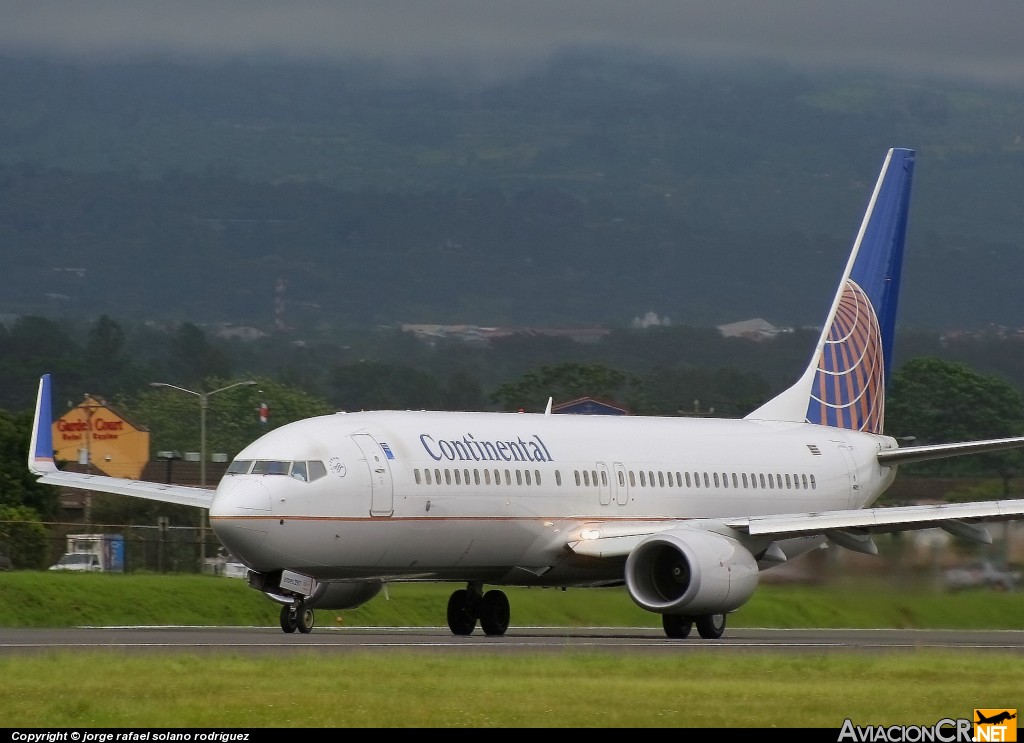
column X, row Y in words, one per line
column 41, row 599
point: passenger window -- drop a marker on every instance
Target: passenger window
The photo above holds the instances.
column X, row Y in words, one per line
column 558, row 477
column 604, row 479
column 487, row 477
column 586, row 479
column 427, row 474
column 643, row 479
column 537, row 475
column 632, row 479
column 416, row 476
column 447, row 477
column 576, row 474
column 458, row 477
column 519, row 477
column 804, row 479
column 813, row 483
column 508, row 477
column 528, row 478
column 789, row 485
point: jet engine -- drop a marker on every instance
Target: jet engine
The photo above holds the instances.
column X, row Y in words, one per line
column 342, row 595
column 690, row 572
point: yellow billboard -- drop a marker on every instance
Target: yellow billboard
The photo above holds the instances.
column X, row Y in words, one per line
column 92, row 433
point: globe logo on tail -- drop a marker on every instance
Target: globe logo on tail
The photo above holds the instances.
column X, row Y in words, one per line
column 849, row 384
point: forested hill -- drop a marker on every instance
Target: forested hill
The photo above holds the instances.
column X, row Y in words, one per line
column 591, row 191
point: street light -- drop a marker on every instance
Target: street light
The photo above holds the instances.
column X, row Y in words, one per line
column 204, row 404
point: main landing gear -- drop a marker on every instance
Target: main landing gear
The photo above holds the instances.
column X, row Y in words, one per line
column 296, row 617
column 468, row 605
column 678, row 626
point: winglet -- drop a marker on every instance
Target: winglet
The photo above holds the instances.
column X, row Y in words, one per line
column 40, row 452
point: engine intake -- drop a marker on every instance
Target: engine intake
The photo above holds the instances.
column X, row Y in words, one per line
column 691, row 572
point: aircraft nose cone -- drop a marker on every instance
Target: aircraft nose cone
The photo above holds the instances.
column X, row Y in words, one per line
column 239, row 516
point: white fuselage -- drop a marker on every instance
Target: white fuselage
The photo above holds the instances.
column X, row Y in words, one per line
column 497, row 497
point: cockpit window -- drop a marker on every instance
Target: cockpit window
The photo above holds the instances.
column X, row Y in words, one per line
column 270, row 467
column 316, row 470
column 239, row 467
column 304, row 471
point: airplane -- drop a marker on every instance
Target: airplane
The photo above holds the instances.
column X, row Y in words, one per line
column 686, row 513
column 995, row 719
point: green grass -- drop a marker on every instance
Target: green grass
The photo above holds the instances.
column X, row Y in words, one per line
column 566, row 688
column 44, row 599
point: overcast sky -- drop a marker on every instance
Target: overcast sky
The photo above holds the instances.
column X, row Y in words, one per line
column 979, row 40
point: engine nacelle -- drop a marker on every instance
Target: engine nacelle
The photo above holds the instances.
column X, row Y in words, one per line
column 690, row 572
column 342, row 595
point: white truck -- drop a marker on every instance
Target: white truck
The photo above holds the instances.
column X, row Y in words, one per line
column 92, row 553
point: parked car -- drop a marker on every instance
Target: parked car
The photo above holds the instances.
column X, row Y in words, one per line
column 79, row 562
column 981, row 575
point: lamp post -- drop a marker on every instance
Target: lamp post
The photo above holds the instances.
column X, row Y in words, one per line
column 204, row 404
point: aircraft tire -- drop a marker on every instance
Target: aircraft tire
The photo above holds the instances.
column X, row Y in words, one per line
column 289, row 620
column 676, row 626
column 495, row 613
column 461, row 617
column 304, row 620
column 711, row 626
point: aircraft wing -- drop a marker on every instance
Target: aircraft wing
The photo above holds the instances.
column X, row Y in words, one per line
column 850, row 528
column 40, row 463
column 179, row 494
column 960, row 519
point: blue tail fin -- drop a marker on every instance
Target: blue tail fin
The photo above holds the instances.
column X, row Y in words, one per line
column 844, row 385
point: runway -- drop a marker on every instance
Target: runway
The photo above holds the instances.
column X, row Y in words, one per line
column 522, row 639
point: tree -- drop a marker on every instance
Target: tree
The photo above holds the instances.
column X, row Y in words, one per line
column 18, row 487
column 22, row 537
column 936, row 401
column 564, row 382
column 378, row 386
column 232, row 417
column 193, row 357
